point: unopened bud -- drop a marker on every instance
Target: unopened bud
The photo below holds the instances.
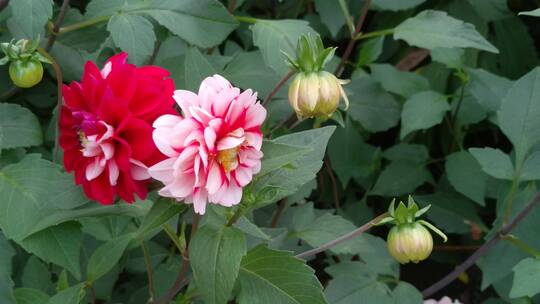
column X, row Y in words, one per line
column 409, row 242
column 316, row 94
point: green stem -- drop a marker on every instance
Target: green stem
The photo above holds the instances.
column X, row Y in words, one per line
column 510, row 199
column 149, row 272
column 348, row 16
column 238, row 214
column 521, row 245
column 246, row 19
column 174, row 238
column 386, row 32
column 83, row 24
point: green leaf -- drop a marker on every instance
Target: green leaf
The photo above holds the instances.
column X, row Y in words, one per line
column 106, row 257
column 494, row 162
column 196, row 69
column 398, row 82
column 422, row 111
column 162, row 211
column 488, row 89
column 30, row 296
column 278, row 155
column 60, row 245
column 31, row 16
column 36, row 275
column 371, row 106
column 134, row 35
column 325, row 228
column 6, row 284
column 6, row 290
column 331, row 15
column 18, row 127
column 287, row 180
column 453, row 58
column 396, row 5
column 269, row 276
column 531, row 167
column 534, row 13
column 273, row 36
column 246, row 71
column 401, row 177
column 466, row 176
column 432, row 29
column 204, row 23
column 407, row 152
column 519, row 115
column 405, row 293
column 72, row 295
column 526, row 276
column 215, row 255
column 33, row 189
column 370, row 50
column 357, row 160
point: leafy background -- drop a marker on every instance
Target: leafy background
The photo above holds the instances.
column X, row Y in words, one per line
column 445, row 105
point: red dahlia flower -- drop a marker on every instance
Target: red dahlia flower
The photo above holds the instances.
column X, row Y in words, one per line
column 106, row 127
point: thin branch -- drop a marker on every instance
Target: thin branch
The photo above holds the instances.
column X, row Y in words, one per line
column 350, row 46
column 232, row 6
column 149, row 272
column 279, row 211
column 57, row 24
column 343, row 238
column 153, row 57
column 277, row 88
column 334, row 182
column 449, row 278
column 412, row 60
column 177, row 285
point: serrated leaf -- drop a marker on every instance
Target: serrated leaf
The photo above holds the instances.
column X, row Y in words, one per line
column 488, row 89
column 526, row 276
column 196, row 69
column 60, row 245
column 134, row 35
column 33, row 189
column 466, row 176
column 396, row 5
column 71, row 295
column 432, row 29
column 204, row 23
column 215, row 255
column 162, row 211
column 18, row 127
column 269, row 276
column 375, row 109
column 531, row 167
column 31, row 16
column 106, row 256
column 398, row 82
column 30, row 296
column 422, row 111
column 401, row 177
column 494, row 162
column 272, row 36
column 453, row 58
column 277, row 155
column 370, row 50
column 519, row 115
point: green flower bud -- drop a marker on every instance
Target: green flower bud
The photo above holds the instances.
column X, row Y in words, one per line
column 316, row 94
column 409, row 243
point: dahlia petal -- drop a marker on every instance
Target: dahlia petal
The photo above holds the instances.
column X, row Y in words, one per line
column 254, row 139
column 185, row 160
column 94, row 169
column 161, row 140
column 113, row 172
column 230, row 142
column 167, row 120
column 182, row 186
column 214, row 180
column 210, row 138
column 231, row 195
column 255, row 116
column 186, row 100
column 139, row 171
column 199, row 201
column 108, row 150
column 243, row 175
column 163, row 171
column 106, row 70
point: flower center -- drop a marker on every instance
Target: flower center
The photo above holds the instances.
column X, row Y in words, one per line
column 228, row 159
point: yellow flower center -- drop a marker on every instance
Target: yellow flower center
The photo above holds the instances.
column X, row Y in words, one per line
column 228, row 159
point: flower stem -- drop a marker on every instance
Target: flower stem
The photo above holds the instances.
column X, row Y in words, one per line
column 56, row 26
column 246, row 19
column 343, row 238
column 149, row 271
column 83, row 24
column 277, row 88
column 449, row 278
column 361, row 36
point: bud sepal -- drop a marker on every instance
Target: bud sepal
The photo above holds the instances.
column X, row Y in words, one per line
column 409, row 240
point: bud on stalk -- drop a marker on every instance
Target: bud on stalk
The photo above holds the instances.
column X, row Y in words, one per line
column 409, row 240
column 314, row 92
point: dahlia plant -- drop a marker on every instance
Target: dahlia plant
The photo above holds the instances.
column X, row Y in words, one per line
column 253, row 152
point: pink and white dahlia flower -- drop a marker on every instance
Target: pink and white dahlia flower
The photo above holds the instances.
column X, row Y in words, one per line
column 214, row 149
column 444, row 300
